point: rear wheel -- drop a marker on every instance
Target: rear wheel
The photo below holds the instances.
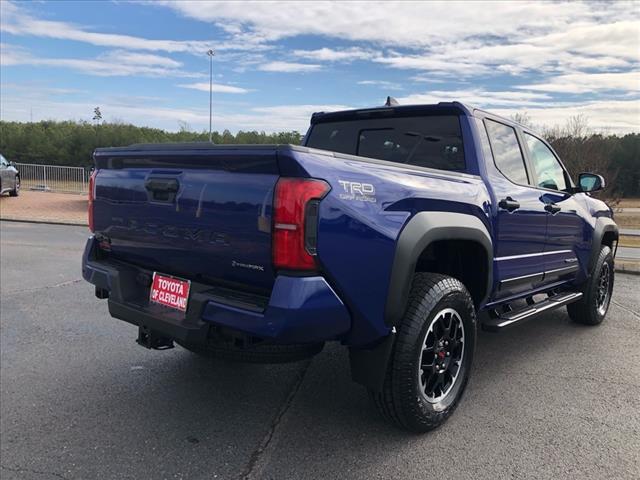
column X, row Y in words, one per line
column 432, row 355
column 594, row 304
column 16, row 189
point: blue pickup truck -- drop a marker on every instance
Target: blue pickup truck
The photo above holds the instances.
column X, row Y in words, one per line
column 397, row 231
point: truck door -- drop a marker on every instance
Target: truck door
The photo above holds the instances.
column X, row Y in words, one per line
column 519, row 216
column 564, row 225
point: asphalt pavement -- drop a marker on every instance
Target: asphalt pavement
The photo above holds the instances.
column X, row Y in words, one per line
column 79, row 399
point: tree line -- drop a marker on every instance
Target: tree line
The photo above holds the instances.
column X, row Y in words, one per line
column 70, row 143
column 616, row 158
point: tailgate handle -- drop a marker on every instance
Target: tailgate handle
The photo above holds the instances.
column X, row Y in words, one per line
column 162, row 189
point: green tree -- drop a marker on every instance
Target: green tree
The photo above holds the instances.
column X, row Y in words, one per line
column 72, row 143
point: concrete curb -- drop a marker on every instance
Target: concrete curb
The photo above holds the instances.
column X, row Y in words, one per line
column 629, row 267
column 46, row 222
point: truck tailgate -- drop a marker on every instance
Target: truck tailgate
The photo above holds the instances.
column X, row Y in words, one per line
column 203, row 215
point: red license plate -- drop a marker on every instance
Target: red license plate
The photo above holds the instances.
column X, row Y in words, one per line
column 170, row 292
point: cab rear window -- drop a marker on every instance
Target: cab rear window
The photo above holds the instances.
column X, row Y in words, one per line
column 425, row 141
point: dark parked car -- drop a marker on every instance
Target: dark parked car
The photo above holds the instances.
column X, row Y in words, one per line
column 9, row 178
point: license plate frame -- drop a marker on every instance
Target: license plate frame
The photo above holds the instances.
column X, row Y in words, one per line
column 170, row 292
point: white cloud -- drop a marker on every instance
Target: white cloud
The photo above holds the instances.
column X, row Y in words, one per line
column 433, row 63
column 559, row 52
column 12, row 54
column 544, row 54
column 589, row 82
column 479, row 98
column 615, row 39
column 141, row 111
column 382, row 84
column 620, row 116
column 410, row 23
column 215, row 87
column 107, row 67
column 110, row 64
column 448, row 39
column 390, row 23
column 298, row 110
column 141, row 59
column 608, row 116
column 286, row 117
column 445, row 38
column 289, row 67
column 16, row 21
column 39, row 87
column 332, row 55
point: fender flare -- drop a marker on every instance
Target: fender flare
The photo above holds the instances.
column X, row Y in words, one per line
column 423, row 229
column 603, row 225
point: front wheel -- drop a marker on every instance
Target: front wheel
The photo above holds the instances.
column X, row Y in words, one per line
column 432, row 355
column 16, row 189
column 596, row 294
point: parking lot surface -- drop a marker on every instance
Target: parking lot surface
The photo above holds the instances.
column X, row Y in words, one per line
column 45, row 207
column 79, row 399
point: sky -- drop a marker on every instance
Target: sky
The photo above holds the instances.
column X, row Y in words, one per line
column 275, row 63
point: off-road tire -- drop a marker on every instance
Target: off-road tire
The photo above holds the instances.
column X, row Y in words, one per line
column 588, row 310
column 401, row 400
column 263, row 353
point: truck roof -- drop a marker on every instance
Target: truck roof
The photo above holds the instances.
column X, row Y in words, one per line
column 441, row 108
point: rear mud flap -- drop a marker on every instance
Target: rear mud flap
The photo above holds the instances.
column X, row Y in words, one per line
column 368, row 366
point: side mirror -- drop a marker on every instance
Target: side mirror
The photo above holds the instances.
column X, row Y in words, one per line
column 590, row 182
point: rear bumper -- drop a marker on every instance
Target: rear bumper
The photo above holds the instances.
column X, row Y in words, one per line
column 299, row 310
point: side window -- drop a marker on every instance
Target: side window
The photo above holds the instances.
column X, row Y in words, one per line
column 506, row 152
column 484, row 141
column 412, row 147
column 549, row 172
column 431, row 141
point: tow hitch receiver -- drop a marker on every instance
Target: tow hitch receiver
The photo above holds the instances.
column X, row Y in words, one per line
column 149, row 339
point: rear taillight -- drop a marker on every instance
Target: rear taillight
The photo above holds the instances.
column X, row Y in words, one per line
column 92, row 196
column 295, row 222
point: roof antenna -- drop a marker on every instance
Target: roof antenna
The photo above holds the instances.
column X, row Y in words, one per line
column 391, row 102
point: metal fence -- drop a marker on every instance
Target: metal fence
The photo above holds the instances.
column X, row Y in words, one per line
column 53, row 178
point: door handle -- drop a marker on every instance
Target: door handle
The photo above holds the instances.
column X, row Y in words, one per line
column 162, row 189
column 508, row 204
column 162, row 184
column 552, row 208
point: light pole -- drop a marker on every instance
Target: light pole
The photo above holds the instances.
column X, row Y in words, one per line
column 211, row 54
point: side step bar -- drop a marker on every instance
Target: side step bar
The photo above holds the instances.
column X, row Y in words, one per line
column 506, row 319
